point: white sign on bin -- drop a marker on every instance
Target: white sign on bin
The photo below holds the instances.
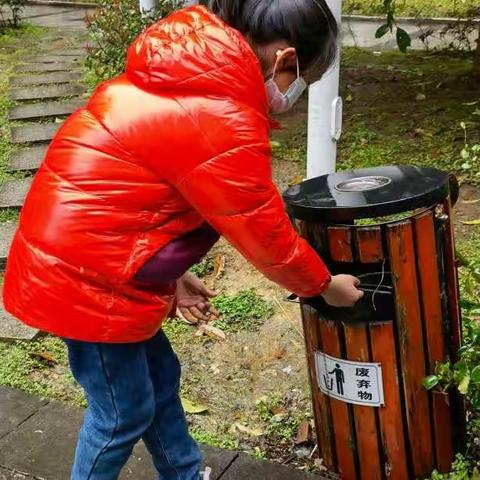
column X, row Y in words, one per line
column 352, row 382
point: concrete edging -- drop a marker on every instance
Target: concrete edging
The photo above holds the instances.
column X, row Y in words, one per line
column 357, row 18
column 411, row 20
column 60, row 3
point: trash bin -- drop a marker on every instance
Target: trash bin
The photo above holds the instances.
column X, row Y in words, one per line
column 391, row 227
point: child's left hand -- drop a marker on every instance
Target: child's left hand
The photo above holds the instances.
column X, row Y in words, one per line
column 193, row 299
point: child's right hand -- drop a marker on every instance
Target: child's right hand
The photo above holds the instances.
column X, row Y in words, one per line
column 343, row 291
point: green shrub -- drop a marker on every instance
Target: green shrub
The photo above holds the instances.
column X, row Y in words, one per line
column 113, row 27
column 15, row 7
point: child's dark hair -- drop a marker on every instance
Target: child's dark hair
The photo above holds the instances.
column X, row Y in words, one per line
column 307, row 25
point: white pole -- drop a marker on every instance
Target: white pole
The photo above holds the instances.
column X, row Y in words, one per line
column 325, row 115
column 147, row 5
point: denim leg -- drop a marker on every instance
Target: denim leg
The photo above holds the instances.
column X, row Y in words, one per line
column 176, row 455
column 121, row 405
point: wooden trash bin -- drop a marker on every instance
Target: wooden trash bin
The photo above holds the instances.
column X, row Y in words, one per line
column 374, row 419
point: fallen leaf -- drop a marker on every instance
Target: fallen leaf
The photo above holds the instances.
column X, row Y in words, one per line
column 251, row 432
column 420, row 97
column 419, row 132
column 296, row 181
column 349, row 98
column 476, row 111
column 193, row 408
column 200, row 331
column 303, row 433
column 471, row 202
column 218, row 266
column 471, row 222
column 471, row 104
column 215, row 333
column 278, row 410
column 44, row 356
column 280, row 352
column 275, row 144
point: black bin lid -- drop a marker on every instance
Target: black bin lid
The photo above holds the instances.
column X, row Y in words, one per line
column 367, row 193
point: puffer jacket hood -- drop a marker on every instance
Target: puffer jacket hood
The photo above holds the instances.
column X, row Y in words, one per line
column 194, row 51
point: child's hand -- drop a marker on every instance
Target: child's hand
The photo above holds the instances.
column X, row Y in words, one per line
column 343, row 291
column 193, row 299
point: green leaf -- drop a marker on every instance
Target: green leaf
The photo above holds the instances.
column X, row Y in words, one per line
column 193, row 408
column 382, row 31
column 475, row 375
column 274, row 144
column 431, row 382
column 464, row 384
column 471, row 222
column 403, row 39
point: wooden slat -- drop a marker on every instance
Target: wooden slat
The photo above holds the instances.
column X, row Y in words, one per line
column 391, row 423
column 443, row 431
column 452, row 282
column 433, row 319
column 382, row 337
column 344, row 436
column 430, row 287
column 321, row 404
column 356, row 339
column 369, row 245
column 340, row 242
column 454, row 314
column 409, row 325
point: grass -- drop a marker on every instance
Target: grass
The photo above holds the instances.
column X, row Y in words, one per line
column 39, row 368
column 244, row 311
column 219, row 440
column 413, row 8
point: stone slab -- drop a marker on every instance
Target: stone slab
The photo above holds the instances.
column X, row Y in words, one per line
column 72, row 52
column 218, row 460
column 48, row 78
column 16, row 407
column 47, row 67
column 27, row 159
column 12, row 330
column 41, row 132
column 246, row 467
column 46, row 91
column 7, row 231
column 52, row 58
column 44, row 446
column 44, row 110
column 13, row 192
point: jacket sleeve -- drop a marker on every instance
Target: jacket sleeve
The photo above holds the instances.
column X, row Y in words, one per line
column 235, row 193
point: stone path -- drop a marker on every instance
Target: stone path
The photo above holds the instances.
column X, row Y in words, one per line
column 37, row 441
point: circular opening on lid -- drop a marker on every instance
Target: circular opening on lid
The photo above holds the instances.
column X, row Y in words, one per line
column 363, row 184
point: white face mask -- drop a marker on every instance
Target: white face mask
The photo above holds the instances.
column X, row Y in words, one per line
column 282, row 102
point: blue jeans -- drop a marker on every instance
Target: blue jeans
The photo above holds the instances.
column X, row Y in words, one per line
column 133, row 393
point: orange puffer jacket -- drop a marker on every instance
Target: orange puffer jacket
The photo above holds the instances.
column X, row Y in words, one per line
column 181, row 138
